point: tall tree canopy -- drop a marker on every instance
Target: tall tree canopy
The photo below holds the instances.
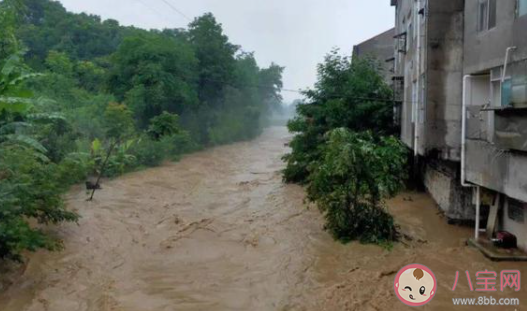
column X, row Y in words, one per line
column 83, row 97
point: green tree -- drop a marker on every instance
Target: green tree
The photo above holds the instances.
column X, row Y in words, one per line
column 9, row 20
column 166, row 124
column 152, row 74
column 119, row 126
column 30, row 183
column 350, row 94
column 216, row 58
column 356, row 172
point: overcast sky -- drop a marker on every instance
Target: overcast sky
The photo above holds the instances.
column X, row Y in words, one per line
column 295, row 34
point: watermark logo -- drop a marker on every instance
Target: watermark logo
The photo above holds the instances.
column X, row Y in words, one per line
column 486, row 281
column 415, row 285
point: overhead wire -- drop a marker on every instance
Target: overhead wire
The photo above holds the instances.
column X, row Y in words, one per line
column 153, row 10
column 171, row 6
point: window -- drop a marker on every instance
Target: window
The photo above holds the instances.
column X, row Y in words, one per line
column 506, row 93
column 492, row 13
column 496, row 93
column 501, row 91
column 483, row 12
column 522, row 7
column 519, row 84
column 487, row 14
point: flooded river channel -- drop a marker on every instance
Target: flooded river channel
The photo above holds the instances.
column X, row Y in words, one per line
column 220, row 231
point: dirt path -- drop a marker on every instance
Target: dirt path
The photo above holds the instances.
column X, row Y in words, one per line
column 219, row 231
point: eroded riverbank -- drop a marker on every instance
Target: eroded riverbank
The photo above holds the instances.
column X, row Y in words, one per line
column 220, row 231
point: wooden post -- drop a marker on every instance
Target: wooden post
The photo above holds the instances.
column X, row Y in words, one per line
column 112, row 146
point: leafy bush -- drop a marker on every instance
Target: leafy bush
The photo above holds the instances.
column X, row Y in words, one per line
column 30, row 188
column 356, row 172
column 148, row 152
column 179, row 144
column 30, row 183
column 120, row 161
column 350, row 94
column 343, row 150
column 166, row 124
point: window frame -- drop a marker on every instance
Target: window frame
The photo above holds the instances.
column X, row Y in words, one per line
column 519, row 6
column 488, row 10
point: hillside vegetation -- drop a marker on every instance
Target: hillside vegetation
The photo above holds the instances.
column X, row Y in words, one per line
column 81, row 97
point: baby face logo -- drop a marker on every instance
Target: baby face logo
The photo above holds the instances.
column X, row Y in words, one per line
column 415, row 285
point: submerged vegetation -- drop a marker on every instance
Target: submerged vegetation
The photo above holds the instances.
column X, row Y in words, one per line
column 82, row 98
column 345, row 152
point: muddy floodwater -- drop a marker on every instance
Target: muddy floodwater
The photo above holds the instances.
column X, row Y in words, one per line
column 220, row 231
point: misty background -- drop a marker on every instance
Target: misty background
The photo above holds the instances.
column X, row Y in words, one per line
column 296, row 34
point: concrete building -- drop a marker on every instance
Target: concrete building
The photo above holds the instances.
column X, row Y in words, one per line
column 463, row 67
column 429, row 64
column 495, row 95
column 379, row 48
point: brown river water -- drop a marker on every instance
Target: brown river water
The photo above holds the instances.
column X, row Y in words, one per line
column 220, row 231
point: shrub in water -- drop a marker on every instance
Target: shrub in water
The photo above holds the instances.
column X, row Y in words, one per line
column 356, row 173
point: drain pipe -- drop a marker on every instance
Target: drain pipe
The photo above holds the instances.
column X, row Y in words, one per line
column 478, row 212
column 477, row 189
column 507, row 54
column 415, row 101
column 464, row 140
column 466, row 78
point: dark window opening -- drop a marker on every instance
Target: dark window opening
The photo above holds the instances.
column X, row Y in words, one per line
column 487, row 14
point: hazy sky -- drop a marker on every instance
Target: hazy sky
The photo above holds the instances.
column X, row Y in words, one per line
column 295, row 34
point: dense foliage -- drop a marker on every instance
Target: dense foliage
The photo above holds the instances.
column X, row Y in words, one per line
column 347, row 94
column 343, row 149
column 109, row 99
column 30, row 182
column 356, row 171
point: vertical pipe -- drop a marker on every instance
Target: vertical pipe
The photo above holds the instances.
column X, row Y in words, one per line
column 464, row 131
column 418, row 58
column 477, row 190
column 507, row 54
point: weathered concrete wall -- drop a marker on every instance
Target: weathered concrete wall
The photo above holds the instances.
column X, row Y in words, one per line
column 404, row 67
column 511, row 130
column 486, row 49
column 497, row 169
column 499, row 163
column 380, row 48
column 436, row 69
column 442, row 182
column 444, row 79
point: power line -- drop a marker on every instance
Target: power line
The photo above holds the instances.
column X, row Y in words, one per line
column 262, row 86
column 177, row 10
column 153, row 10
column 335, row 96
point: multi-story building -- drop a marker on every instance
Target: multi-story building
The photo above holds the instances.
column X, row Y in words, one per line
column 379, row 48
column 429, row 63
column 464, row 109
column 495, row 128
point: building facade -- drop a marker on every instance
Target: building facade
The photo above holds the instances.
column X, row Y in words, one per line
column 495, row 95
column 429, row 63
column 379, row 48
column 463, row 67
